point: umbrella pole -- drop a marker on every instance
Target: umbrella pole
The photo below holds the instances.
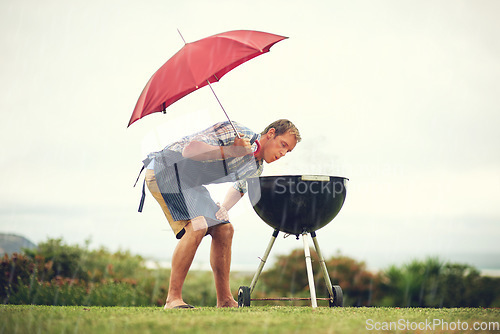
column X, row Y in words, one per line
column 224, row 110
column 209, row 85
column 181, row 36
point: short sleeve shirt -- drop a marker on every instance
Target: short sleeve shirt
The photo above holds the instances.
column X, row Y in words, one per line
column 222, row 134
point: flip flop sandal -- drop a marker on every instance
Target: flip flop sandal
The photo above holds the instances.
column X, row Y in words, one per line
column 183, row 306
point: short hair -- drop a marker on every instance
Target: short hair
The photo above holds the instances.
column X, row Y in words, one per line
column 282, row 126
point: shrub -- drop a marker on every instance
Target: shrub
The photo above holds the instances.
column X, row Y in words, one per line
column 414, row 285
column 66, row 260
column 78, row 262
column 60, row 274
column 432, row 283
column 20, row 270
column 67, row 292
column 102, row 264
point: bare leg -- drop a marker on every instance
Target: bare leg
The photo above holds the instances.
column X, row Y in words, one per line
column 220, row 260
column 183, row 258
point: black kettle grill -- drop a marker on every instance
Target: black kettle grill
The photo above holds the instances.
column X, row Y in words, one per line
column 298, row 205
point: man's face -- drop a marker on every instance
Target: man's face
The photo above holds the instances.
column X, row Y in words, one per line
column 277, row 146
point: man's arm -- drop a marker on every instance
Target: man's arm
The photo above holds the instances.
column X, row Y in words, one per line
column 232, row 197
column 200, row 151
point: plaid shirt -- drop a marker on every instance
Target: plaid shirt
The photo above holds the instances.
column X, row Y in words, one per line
column 222, row 134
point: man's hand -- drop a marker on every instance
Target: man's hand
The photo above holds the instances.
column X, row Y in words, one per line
column 240, row 147
column 222, row 213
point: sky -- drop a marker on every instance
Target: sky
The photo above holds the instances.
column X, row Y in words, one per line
column 401, row 97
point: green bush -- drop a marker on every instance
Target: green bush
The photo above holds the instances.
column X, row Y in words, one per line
column 54, row 292
column 73, row 261
column 69, row 292
column 66, row 260
column 60, row 274
column 20, row 270
column 413, row 285
column 432, row 283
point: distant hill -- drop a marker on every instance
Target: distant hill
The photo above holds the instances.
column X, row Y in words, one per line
column 11, row 243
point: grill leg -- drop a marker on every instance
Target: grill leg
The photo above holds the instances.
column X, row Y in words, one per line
column 323, row 265
column 263, row 260
column 310, row 276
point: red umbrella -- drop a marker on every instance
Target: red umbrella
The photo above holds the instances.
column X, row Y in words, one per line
column 198, row 64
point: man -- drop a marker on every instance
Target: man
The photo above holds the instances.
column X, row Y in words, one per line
column 176, row 177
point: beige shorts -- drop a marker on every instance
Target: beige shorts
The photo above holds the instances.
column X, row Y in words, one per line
column 176, row 225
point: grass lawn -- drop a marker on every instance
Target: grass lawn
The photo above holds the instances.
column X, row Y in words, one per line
column 254, row 319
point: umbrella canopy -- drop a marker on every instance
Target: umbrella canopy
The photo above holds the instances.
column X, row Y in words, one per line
column 198, row 64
